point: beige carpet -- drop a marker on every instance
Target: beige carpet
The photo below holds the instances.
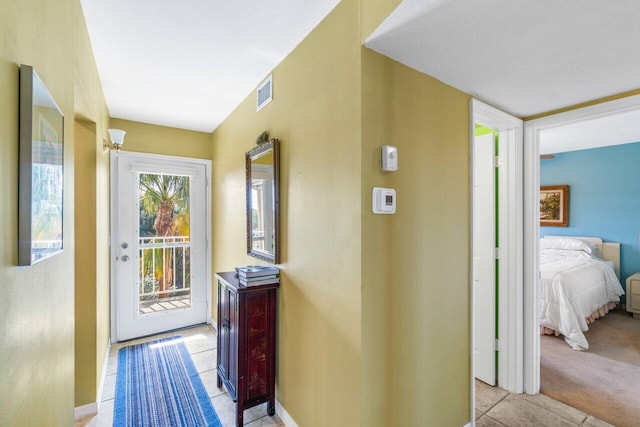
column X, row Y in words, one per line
column 603, row 381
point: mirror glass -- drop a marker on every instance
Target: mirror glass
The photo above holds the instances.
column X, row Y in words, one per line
column 262, row 201
column 41, row 171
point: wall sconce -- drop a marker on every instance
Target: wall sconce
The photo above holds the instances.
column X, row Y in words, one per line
column 117, row 139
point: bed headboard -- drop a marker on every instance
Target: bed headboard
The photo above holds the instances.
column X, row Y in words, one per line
column 609, row 251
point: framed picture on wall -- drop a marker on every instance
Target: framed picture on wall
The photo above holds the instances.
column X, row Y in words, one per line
column 554, row 206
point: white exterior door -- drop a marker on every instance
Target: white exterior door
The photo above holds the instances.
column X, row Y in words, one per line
column 484, row 261
column 159, row 246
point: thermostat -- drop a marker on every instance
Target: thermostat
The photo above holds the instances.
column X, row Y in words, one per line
column 389, row 158
column 383, row 200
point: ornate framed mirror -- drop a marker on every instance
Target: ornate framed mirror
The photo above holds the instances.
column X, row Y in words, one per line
column 263, row 218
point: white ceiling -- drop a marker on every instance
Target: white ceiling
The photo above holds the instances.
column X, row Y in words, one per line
column 188, row 64
column 621, row 128
column 525, row 56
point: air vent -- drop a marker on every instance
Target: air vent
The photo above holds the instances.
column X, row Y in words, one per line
column 265, row 92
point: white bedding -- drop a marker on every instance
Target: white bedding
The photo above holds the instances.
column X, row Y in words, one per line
column 573, row 285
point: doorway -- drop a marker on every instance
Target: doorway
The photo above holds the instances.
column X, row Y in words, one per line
column 532, row 137
column 502, row 255
column 160, row 261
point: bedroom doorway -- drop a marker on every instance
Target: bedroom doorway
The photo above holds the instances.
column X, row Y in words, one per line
column 534, row 130
column 496, row 247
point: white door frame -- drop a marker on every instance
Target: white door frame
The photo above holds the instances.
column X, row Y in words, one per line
column 114, row 224
column 533, row 128
column 510, row 348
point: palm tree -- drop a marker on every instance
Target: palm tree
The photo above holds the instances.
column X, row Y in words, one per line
column 165, row 197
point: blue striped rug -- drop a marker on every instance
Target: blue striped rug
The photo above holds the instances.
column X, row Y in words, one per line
column 157, row 385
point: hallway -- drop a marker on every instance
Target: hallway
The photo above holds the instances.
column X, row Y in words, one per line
column 201, row 343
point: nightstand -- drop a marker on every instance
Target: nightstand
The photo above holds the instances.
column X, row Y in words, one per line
column 633, row 295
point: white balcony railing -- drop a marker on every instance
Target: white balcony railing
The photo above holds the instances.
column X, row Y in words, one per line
column 164, row 265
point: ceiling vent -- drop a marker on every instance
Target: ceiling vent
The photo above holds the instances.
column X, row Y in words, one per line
column 265, row 92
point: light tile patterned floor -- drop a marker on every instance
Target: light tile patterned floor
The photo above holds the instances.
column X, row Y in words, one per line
column 201, row 342
column 496, row 407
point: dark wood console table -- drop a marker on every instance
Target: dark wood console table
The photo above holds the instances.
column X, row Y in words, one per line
column 247, row 342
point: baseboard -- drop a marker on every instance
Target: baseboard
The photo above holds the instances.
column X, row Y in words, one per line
column 84, row 410
column 284, row 415
column 94, row 407
column 103, row 374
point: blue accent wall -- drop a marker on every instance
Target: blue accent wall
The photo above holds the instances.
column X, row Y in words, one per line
column 604, row 197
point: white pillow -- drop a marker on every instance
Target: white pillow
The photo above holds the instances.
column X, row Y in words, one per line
column 568, row 244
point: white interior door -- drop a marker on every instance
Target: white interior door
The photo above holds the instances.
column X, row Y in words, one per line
column 511, row 214
column 484, row 261
column 159, row 243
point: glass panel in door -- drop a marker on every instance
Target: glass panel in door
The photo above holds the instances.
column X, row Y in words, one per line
column 164, row 260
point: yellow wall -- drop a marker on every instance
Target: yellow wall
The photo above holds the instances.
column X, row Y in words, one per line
column 37, row 302
column 373, row 13
column 92, row 220
column 153, row 139
column 363, row 297
column 87, row 367
column 415, row 280
column 378, row 326
column 411, row 284
column 316, row 115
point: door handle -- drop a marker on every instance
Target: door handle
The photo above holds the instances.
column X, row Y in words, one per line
column 124, row 258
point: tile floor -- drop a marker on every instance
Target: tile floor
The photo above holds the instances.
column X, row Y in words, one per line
column 496, row 407
column 201, row 342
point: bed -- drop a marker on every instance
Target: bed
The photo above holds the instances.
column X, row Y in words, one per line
column 578, row 284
